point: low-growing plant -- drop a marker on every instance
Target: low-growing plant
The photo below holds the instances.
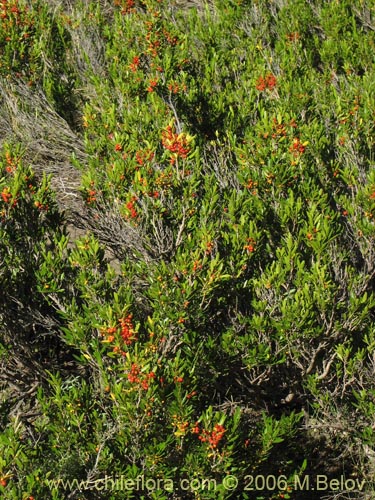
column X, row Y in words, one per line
column 208, row 332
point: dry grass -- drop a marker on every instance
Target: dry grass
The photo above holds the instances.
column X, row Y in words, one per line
column 27, row 118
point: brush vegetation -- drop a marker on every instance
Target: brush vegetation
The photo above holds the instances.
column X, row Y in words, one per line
column 187, row 249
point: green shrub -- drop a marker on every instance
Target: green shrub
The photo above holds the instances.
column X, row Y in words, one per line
column 209, row 334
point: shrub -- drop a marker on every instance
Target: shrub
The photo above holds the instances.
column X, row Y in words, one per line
column 209, row 333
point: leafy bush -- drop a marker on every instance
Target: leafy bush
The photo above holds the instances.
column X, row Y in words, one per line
column 209, row 332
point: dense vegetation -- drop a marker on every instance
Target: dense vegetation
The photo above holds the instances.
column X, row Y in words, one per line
column 187, row 249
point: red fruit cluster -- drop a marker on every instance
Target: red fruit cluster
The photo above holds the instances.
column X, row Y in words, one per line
column 11, row 162
column 175, row 88
column 175, row 143
column 143, row 156
column 127, row 6
column 171, row 39
column 41, row 206
column 131, row 207
column 250, row 247
column 156, row 37
column 136, row 377
column 127, row 331
column 6, row 195
column 297, row 147
column 11, row 13
column 9, row 8
column 91, row 196
column 134, row 64
column 213, row 438
column 152, row 85
column 268, row 82
column 293, row 37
